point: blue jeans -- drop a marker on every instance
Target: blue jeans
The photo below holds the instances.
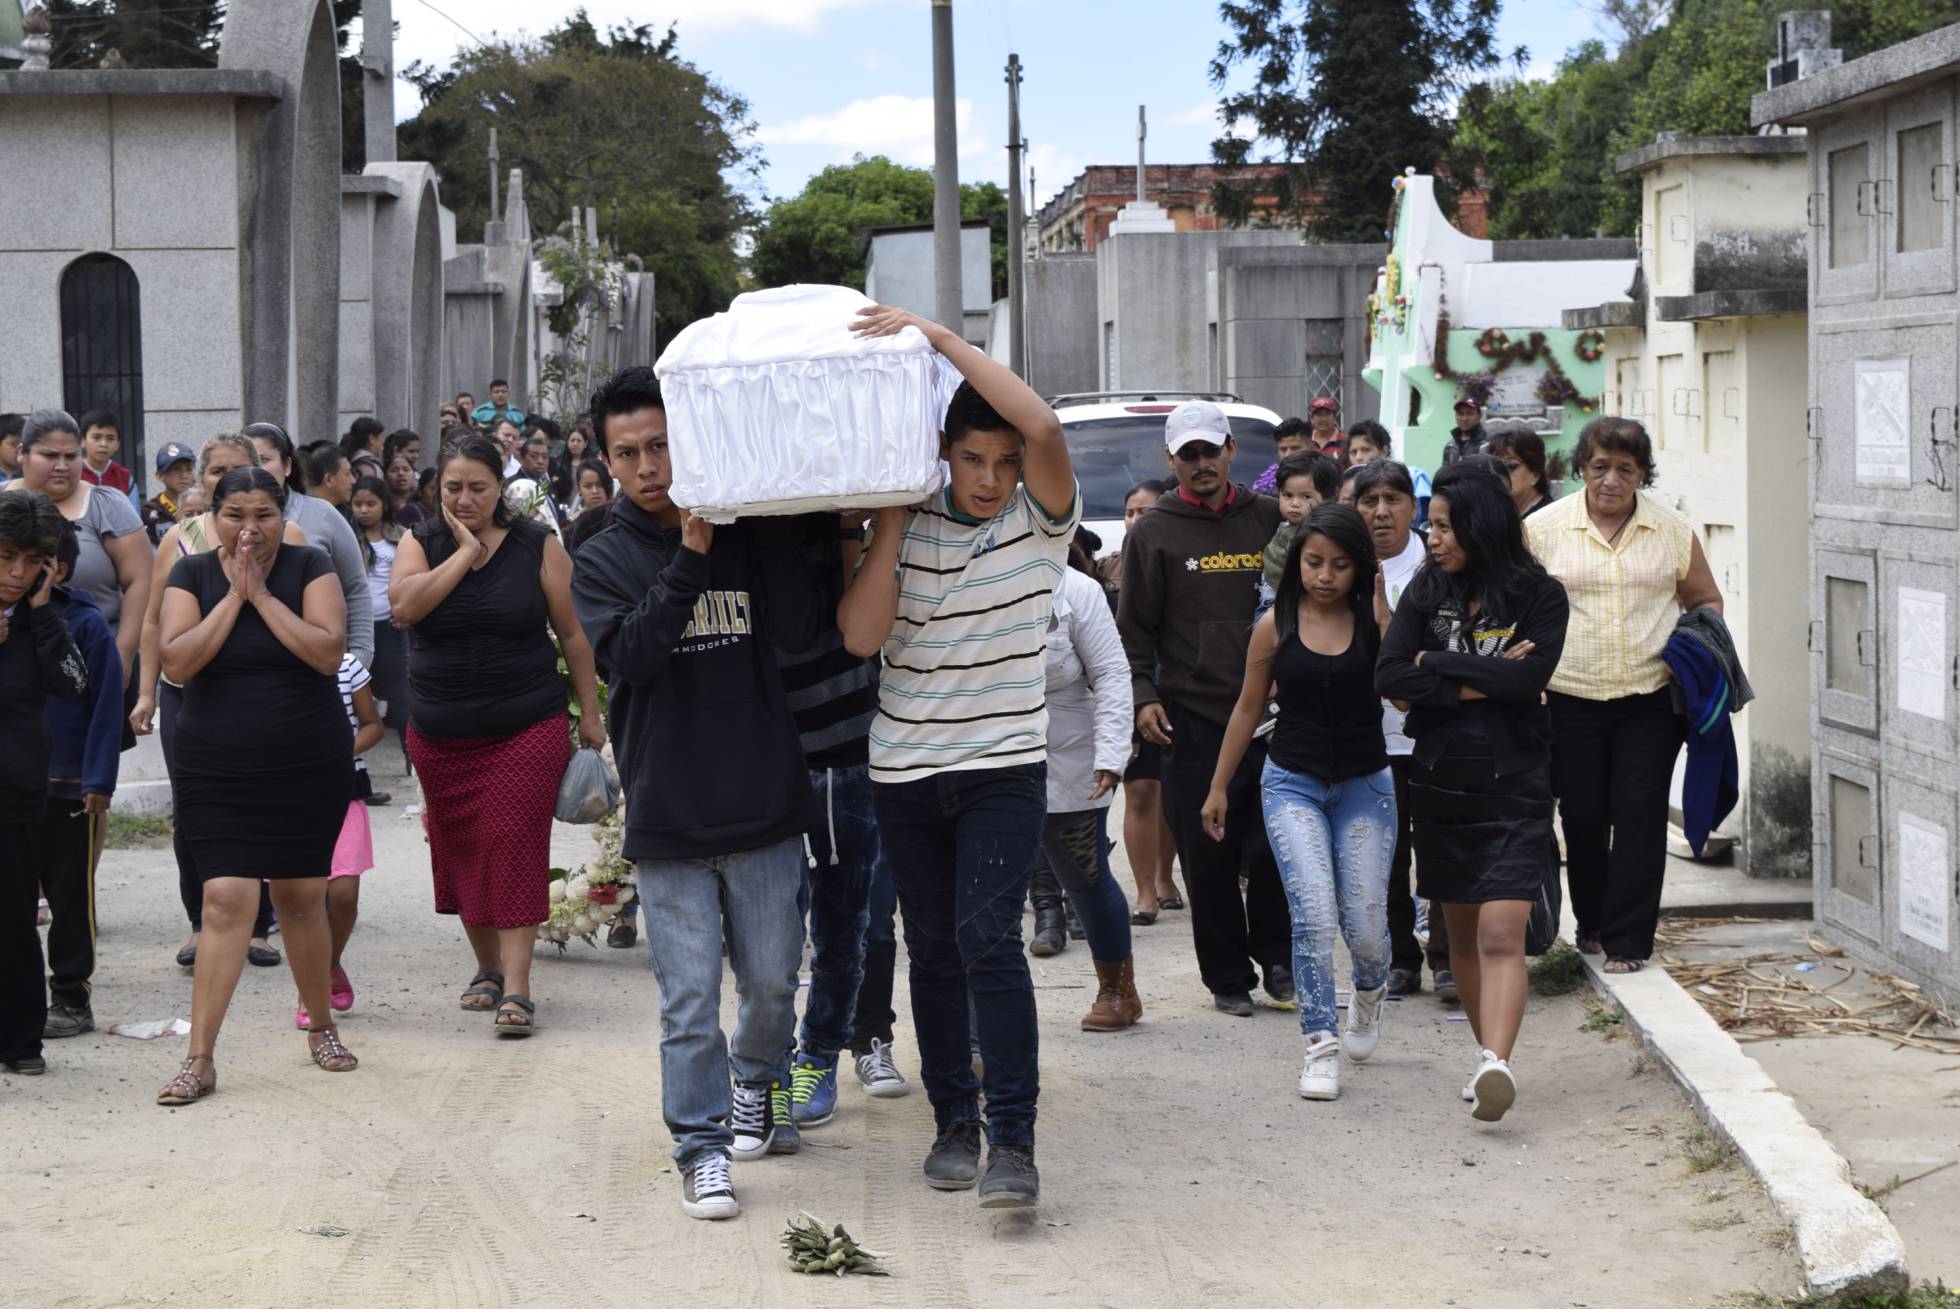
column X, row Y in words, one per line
column 1077, row 846
column 684, row 903
column 839, row 889
column 1334, row 842
column 961, row 844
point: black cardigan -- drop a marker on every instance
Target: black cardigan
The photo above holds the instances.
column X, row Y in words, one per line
column 1430, row 621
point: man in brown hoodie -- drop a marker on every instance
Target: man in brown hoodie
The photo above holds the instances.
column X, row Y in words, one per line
column 1190, row 585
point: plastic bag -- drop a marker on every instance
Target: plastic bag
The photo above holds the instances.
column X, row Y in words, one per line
column 589, row 790
column 151, row 1030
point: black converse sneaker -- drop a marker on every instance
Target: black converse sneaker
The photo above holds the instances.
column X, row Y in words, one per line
column 760, row 1118
column 706, row 1191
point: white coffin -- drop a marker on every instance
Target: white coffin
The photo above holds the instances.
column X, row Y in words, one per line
column 773, row 407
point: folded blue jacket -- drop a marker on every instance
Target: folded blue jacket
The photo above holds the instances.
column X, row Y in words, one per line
column 87, row 731
column 1708, row 791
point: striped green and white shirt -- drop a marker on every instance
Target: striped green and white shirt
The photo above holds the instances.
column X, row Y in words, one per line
column 964, row 684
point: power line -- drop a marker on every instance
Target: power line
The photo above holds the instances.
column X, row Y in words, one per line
column 452, row 22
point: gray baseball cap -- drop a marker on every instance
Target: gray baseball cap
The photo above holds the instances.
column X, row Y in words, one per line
column 1196, row 420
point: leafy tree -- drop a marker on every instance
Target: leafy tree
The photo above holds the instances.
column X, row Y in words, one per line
column 601, row 119
column 1344, row 93
column 814, row 236
column 1547, row 147
column 146, row 33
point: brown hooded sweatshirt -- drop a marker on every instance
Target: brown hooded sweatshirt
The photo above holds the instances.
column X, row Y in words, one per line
column 1190, row 586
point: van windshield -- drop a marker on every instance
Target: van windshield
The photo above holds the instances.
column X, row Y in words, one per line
column 1111, row 455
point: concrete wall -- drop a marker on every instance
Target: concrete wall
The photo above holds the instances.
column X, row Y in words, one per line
column 154, row 179
column 1152, row 323
column 1062, row 324
column 899, row 272
column 1266, row 297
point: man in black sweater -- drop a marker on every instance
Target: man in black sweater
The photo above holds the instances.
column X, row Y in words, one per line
column 683, row 616
column 1190, row 572
column 37, row 659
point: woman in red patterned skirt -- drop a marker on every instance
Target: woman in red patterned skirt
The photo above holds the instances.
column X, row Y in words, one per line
column 488, row 732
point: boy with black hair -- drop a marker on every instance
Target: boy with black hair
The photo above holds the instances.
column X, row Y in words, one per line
column 101, row 439
column 37, row 659
column 1291, row 437
column 684, row 618
column 958, row 594
column 11, row 426
column 86, row 740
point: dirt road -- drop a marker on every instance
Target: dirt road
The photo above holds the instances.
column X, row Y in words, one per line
column 1179, row 1168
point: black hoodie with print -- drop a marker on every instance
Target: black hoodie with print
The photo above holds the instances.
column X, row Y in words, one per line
column 707, row 749
column 1190, row 586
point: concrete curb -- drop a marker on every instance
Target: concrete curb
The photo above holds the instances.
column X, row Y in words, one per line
column 1846, row 1243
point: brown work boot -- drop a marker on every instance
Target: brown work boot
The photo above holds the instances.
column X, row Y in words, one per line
column 1117, row 1004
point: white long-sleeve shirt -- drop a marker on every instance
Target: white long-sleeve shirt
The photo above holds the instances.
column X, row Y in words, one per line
column 1090, row 714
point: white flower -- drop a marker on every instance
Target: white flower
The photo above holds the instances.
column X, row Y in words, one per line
column 557, row 892
column 583, row 925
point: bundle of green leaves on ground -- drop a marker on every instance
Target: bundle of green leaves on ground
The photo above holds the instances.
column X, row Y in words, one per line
column 815, row 1247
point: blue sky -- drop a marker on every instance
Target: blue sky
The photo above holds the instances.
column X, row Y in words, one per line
column 827, row 79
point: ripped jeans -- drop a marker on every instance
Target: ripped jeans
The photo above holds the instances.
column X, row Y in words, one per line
column 1334, row 842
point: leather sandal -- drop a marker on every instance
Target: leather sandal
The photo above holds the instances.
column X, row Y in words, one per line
column 487, row 986
column 518, row 1021
column 186, row 1087
column 330, row 1054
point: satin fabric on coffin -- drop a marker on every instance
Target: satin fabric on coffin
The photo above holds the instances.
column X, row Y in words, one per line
column 773, row 407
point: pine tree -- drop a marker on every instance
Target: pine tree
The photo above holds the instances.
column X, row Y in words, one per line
column 1344, row 95
column 147, row 33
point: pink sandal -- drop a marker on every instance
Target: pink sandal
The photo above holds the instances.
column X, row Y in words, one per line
column 341, row 996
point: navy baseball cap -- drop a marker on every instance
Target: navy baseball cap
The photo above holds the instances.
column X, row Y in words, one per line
column 173, row 452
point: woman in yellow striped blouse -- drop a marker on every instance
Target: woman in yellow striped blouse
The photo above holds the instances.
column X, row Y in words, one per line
column 1630, row 566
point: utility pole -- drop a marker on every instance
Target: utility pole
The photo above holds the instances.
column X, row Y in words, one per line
column 949, row 300
column 1017, row 346
column 496, row 215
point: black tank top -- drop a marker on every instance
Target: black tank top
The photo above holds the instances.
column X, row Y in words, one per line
column 481, row 664
column 1330, row 719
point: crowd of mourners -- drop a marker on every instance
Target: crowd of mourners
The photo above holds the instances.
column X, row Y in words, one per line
column 1349, row 699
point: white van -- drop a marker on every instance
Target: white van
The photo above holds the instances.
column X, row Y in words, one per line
column 1116, row 440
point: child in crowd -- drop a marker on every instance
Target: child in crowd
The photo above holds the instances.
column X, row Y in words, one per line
column 101, row 439
column 86, row 738
column 37, row 660
column 1291, row 437
column 380, row 535
column 176, row 470
column 353, row 853
column 1305, row 482
column 1367, row 441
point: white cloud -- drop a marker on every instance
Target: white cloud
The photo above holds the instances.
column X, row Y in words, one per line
column 899, row 126
column 428, row 36
column 1054, row 168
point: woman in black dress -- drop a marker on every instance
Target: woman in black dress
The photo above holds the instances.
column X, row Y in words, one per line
column 1473, row 642
column 253, row 631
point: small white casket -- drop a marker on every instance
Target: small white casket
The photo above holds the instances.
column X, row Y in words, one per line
column 773, row 407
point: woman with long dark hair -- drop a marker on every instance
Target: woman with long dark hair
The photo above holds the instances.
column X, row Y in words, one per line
column 1326, row 792
column 487, row 730
column 1522, row 452
column 381, row 537
column 1471, row 647
column 254, row 631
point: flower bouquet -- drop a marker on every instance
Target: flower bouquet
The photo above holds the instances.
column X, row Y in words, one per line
column 586, row 899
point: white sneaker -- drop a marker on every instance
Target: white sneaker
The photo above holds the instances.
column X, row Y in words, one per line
column 1493, row 1088
column 878, row 1075
column 706, row 1191
column 1320, row 1076
column 1469, row 1094
column 1364, row 1023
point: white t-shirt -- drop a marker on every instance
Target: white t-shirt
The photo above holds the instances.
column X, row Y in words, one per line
column 379, row 572
column 1396, row 575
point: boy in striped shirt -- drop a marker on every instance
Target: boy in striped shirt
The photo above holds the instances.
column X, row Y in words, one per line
column 956, row 593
